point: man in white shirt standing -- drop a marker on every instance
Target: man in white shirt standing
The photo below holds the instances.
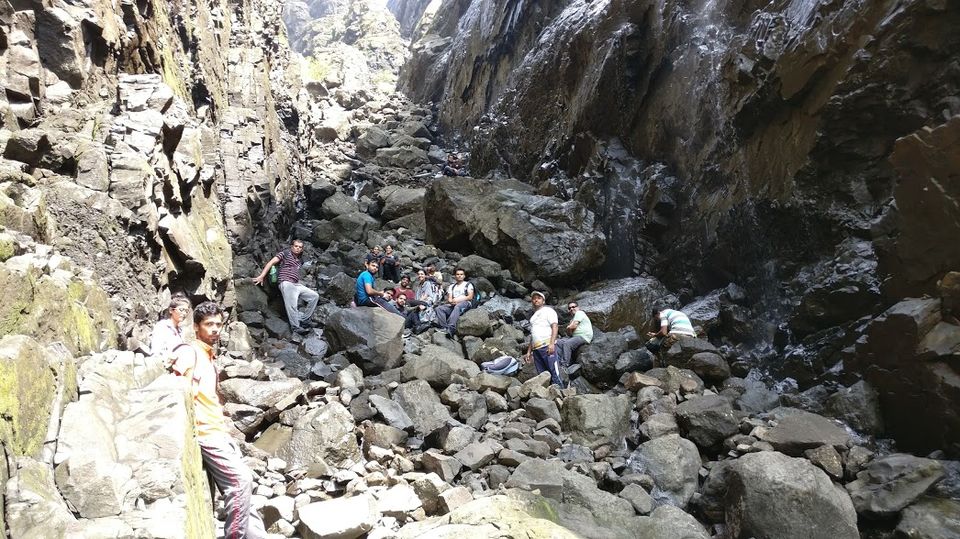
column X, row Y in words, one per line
column 543, row 338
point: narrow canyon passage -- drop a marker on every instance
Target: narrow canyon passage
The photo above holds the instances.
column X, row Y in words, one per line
column 781, row 176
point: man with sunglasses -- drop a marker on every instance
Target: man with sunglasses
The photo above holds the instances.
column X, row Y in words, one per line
column 580, row 330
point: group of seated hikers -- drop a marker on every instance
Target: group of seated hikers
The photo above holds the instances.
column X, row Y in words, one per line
column 422, row 305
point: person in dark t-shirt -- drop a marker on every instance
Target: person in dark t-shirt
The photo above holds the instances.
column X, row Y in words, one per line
column 291, row 289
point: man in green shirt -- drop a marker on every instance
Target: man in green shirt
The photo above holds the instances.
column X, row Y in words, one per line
column 581, row 332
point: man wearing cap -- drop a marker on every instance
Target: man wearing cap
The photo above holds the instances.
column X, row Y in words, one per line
column 580, row 329
column 543, row 338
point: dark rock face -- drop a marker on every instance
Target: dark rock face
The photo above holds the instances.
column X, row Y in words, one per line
column 370, row 337
column 536, row 237
column 927, row 212
column 906, row 357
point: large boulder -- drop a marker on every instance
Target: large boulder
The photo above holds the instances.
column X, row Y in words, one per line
column 798, row 430
column 707, row 420
column 595, row 420
column 371, row 338
column 600, row 360
column 769, row 494
column 930, row 518
column 906, row 355
column 437, row 365
column 857, row 406
column 340, row 518
column 422, row 406
column 673, row 463
column 29, row 384
column 262, row 394
column 890, row 483
column 536, row 237
column 401, row 201
column 324, row 434
column 33, row 506
column 612, row 305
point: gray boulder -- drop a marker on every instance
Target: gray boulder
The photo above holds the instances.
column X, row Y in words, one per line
column 438, row 366
column 595, row 420
column 857, row 406
column 401, row 201
column 422, row 406
column 478, row 266
column 769, row 494
column 338, row 204
column 930, row 518
column 890, row 483
column 262, row 394
column 534, row 236
column 600, row 360
column 475, row 323
column 371, row 338
column 325, row 434
column 799, row 430
column 673, row 463
column 707, row 420
column 612, row 305
column 340, row 518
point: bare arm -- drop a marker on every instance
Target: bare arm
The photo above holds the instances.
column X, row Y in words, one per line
column 553, row 338
column 572, row 326
column 266, row 269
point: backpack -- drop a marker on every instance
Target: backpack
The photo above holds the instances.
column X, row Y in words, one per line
column 478, row 297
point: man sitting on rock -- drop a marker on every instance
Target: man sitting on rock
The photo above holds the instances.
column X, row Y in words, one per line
column 366, row 295
column 390, row 264
column 290, row 261
column 459, row 300
column 427, row 295
column 673, row 325
column 375, row 255
column 433, row 274
column 454, row 165
column 220, row 453
column 580, row 329
column 543, row 338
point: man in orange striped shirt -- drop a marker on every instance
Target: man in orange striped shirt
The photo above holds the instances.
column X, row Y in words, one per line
column 220, row 453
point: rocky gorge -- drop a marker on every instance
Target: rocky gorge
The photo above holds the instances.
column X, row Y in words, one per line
column 784, row 172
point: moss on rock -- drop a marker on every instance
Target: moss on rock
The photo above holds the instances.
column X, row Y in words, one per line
column 27, row 386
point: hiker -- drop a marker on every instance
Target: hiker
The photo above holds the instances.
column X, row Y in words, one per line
column 390, row 265
column 673, row 325
column 375, row 255
column 433, row 274
column 426, row 296
column 454, row 165
column 459, row 300
column 404, row 289
column 292, row 291
column 220, row 453
column 167, row 334
column 368, row 296
column 580, row 330
column 543, row 338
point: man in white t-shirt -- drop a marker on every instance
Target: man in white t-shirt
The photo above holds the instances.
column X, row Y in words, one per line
column 543, row 338
column 459, row 300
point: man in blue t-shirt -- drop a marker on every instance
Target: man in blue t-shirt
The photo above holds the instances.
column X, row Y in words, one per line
column 368, row 296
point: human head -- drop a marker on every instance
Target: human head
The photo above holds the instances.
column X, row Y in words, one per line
column 421, row 275
column 460, row 274
column 372, row 266
column 537, row 298
column 572, row 306
column 389, row 249
column 296, row 247
column 179, row 308
column 375, row 249
column 401, row 300
column 388, row 295
column 431, row 268
column 405, row 281
column 208, row 322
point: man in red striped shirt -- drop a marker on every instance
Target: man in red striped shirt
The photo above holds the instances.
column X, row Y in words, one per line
column 292, row 291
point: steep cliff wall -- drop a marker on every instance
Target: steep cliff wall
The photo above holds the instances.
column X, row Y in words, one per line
column 159, row 134
column 778, row 116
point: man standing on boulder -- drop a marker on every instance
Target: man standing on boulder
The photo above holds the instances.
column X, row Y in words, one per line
column 580, row 329
column 220, row 453
column 673, row 325
column 543, row 338
column 292, row 291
